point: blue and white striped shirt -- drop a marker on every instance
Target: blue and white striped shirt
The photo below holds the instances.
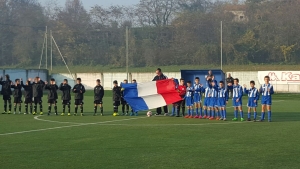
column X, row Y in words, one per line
column 252, row 93
column 237, row 91
column 222, row 93
column 189, row 92
column 264, row 90
column 198, row 89
column 207, row 92
column 214, row 92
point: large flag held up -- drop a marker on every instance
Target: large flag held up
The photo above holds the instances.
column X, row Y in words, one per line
column 146, row 96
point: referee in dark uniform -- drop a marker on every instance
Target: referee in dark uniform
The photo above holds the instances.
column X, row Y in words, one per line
column 160, row 76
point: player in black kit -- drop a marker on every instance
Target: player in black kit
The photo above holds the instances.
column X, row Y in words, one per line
column 98, row 96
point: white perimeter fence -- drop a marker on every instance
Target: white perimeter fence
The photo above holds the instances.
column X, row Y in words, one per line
column 284, row 82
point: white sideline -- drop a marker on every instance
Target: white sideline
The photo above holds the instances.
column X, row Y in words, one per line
column 159, row 125
column 155, row 125
column 77, row 125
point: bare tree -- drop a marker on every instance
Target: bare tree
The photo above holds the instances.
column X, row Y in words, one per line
column 156, row 12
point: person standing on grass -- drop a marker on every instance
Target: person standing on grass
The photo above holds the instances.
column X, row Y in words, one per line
column 66, row 96
column 237, row 100
column 52, row 96
column 79, row 91
column 116, row 97
column 132, row 112
column 266, row 90
column 160, row 76
column 215, row 113
column 37, row 92
column 27, row 95
column 182, row 93
column 253, row 97
column 206, row 103
column 6, row 92
column 98, row 97
column 222, row 100
column 229, row 81
column 189, row 99
column 198, row 88
column 123, row 101
column 17, row 95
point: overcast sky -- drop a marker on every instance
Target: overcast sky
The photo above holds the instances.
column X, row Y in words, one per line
column 89, row 3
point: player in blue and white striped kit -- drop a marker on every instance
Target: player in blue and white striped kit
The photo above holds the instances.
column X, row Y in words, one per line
column 266, row 101
column 198, row 97
column 222, row 100
column 213, row 104
column 253, row 97
column 237, row 100
column 189, row 99
column 207, row 95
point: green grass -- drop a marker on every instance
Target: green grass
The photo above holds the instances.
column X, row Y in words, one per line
column 171, row 68
column 142, row 142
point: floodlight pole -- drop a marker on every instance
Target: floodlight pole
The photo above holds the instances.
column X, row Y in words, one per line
column 221, row 45
column 51, row 48
column 46, row 47
column 127, row 62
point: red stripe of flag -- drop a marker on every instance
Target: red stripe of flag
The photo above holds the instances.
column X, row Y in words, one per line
column 167, row 88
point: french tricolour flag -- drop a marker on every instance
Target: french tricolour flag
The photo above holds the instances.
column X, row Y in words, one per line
column 146, row 96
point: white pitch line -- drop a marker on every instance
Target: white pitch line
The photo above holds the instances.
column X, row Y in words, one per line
column 158, row 125
column 30, row 131
column 37, row 118
column 103, row 122
column 77, row 125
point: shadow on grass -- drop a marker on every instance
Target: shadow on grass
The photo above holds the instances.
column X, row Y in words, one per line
column 285, row 116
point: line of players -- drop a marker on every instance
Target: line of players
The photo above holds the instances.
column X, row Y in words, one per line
column 216, row 99
column 33, row 94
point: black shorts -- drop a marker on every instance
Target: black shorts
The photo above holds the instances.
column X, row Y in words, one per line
column 78, row 102
column 37, row 100
column 66, row 102
column 6, row 97
column 123, row 102
column 28, row 100
column 17, row 100
column 98, row 102
column 116, row 103
column 52, row 101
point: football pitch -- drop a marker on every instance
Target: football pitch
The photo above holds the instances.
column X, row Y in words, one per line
column 45, row 142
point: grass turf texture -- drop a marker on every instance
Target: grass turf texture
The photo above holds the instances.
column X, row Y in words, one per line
column 156, row 142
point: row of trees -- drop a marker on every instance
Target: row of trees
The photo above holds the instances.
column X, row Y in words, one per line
column 162, row 32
